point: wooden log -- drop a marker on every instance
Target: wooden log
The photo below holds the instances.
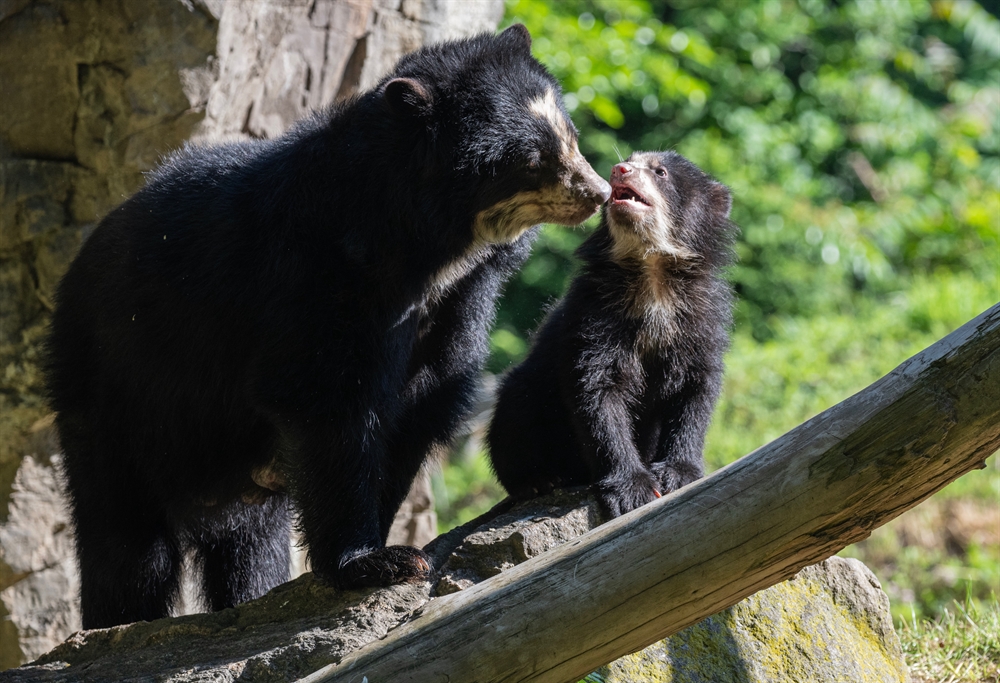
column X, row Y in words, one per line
column 644, row 576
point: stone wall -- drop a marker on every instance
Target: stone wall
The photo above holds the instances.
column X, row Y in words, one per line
column 92, row 93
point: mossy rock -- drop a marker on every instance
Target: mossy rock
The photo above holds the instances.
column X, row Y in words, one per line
column 830, row 622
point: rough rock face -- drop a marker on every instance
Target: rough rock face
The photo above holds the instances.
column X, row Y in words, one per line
column 292, row 631
column 91, row 97
column 37, row 548
column 828, row 623
column 508, row 538
column 278, row 60
column 93, row 93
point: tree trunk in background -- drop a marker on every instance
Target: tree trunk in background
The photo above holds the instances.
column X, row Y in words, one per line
column 92, row 93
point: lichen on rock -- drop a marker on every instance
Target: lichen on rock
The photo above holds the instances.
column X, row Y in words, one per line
column 830, row 622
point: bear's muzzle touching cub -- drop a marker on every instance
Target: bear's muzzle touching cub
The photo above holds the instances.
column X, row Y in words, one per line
column 566, row 189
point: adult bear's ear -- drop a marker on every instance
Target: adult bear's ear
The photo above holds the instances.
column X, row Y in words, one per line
column 408, row 97
column 517, row 35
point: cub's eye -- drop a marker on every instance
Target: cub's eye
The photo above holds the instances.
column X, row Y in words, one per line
column 660, row 171
column 534, row 164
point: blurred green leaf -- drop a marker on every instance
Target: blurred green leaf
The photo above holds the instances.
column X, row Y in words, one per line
column 868, row 128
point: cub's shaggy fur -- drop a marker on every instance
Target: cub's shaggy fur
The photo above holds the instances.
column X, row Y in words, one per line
column 622, row 377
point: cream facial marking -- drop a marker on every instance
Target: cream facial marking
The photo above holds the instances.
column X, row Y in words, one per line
column 506, row 220
column 639, row 214
column 577, row 193
column 547, row 109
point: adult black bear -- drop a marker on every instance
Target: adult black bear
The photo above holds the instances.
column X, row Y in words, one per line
column 622, row 377
column 305, row 314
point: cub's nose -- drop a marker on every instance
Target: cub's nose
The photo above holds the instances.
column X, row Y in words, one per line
column 620, row 170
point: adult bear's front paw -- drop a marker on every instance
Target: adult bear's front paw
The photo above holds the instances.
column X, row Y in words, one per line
column 626, row 492
column 383, row 567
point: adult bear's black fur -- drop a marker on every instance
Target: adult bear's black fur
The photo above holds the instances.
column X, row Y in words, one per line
column 622, row 377
column 305, row 314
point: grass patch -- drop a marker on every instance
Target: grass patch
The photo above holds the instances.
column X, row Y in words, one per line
column 963, row 644
column 946, row 549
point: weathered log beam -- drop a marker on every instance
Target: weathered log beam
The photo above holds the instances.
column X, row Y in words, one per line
column 644, row 576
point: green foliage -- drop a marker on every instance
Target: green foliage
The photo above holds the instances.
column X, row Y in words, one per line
column 464, row 489
column 860, row 138
column 923, row 581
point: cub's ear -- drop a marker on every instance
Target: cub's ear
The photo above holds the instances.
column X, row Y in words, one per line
column 517, row 34
column 722, row 199
column 408, row 97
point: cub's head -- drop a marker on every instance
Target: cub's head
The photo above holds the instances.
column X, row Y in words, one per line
column 494, row 134
column 662, row 204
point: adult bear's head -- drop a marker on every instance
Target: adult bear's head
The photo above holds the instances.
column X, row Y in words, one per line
column 490, row 133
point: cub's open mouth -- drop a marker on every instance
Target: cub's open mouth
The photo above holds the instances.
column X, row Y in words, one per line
column 623, row 195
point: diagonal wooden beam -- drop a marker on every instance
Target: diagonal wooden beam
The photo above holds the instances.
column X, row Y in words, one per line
column 644, row 576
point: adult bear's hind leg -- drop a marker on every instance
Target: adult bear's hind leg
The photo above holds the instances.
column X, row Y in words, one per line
column 127, row 551
column 242, row 550
column 129, row 564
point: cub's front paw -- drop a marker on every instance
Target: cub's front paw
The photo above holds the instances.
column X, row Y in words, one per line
column 622, row 494
column 383, row 567
column 672, row 478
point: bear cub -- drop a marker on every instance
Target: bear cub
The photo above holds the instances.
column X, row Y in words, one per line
column 294, row 323
column 622, row 377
